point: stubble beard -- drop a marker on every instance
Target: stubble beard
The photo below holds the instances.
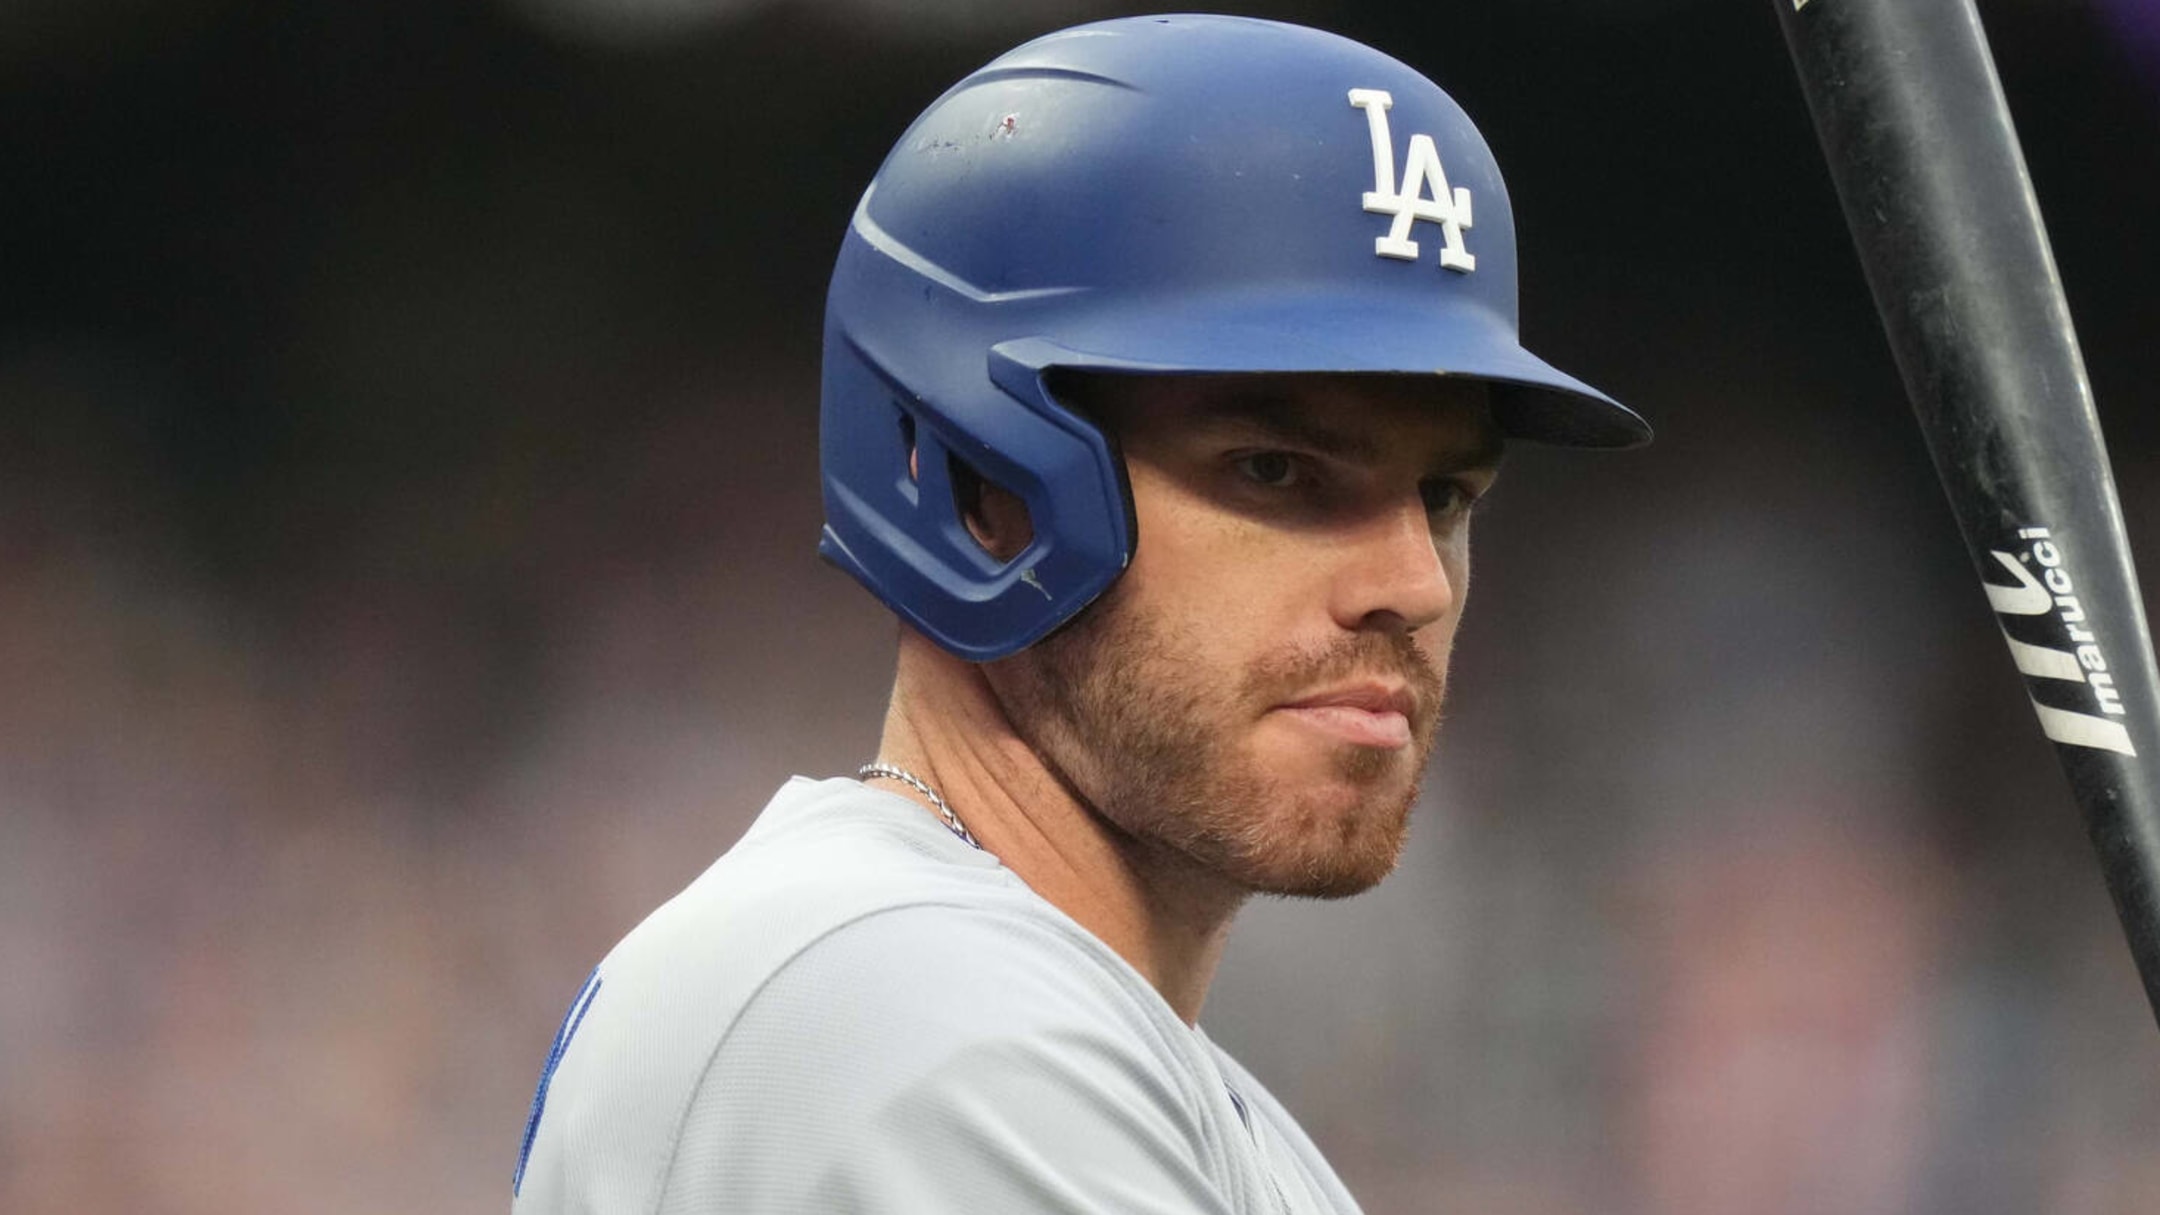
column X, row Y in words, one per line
column 1117, row 707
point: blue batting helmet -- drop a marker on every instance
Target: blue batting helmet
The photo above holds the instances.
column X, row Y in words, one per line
column 1150, row 194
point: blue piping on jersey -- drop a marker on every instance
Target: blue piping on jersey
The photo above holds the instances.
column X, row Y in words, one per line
column 573, row 1017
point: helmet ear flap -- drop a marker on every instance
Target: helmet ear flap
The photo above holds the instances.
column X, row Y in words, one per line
column 903, row 474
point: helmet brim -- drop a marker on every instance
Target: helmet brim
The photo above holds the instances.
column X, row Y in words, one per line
column 1318, row 332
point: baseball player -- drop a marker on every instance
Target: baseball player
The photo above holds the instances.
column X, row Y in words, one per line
column 1164, row 360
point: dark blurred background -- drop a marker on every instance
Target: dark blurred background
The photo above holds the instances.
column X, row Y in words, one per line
column 407, row 514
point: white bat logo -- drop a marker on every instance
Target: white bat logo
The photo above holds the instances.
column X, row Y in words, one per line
column 2053, row 591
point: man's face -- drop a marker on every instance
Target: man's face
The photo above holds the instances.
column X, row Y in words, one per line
column 1258, row 694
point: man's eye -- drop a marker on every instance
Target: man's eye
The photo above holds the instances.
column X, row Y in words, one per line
column 1275, row 469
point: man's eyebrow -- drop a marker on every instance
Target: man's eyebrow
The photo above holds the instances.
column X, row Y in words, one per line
column 1283, row 420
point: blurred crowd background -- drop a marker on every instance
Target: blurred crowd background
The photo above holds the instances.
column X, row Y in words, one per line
column 407, row 514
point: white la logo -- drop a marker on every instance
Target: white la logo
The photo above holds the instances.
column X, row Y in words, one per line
column 1421, row 171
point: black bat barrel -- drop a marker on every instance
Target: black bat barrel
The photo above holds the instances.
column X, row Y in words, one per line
column 1912, row 118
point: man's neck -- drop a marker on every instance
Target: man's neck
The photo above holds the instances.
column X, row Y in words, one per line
column 1159, row 912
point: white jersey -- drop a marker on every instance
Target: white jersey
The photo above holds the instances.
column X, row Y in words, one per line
column 853, row 1011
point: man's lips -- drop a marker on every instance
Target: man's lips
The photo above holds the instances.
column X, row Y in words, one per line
column 1364, row 714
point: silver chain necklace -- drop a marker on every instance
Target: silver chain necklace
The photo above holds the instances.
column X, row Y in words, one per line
column 953, row 824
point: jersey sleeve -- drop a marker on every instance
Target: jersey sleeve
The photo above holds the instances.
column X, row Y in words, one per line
column 936, row 1059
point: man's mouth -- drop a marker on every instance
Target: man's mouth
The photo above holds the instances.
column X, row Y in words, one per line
column 1365, row 714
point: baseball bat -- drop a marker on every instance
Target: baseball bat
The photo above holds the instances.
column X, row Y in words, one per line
column 1912, row 119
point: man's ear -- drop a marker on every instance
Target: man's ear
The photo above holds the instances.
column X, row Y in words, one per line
column 994, row 515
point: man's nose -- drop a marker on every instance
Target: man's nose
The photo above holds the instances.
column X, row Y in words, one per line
column 1390, row 574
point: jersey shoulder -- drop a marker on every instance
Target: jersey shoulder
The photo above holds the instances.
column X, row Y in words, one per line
column 845, row 971
column 628, row 1056
column 938, row 1057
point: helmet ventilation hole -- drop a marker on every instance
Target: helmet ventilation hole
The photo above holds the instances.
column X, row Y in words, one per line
column 996, row 517
column 907, row 440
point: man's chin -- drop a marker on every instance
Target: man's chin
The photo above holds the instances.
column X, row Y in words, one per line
column 1331, row 877
column 1329, row 851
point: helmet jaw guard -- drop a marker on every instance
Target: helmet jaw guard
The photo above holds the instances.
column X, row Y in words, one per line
column 1182, row 194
